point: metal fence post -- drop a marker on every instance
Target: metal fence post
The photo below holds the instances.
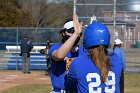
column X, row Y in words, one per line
column 114, row 21
column 17, row 49
column 74, row 8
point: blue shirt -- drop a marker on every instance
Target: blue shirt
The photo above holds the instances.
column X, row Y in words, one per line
column 120, row 52
column 58, row 69
column 84, row 75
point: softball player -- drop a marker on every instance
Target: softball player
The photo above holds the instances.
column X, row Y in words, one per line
column 96, row 72
column 68, row 49
column 118, row 50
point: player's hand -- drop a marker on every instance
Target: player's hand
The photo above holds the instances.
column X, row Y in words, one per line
column 77, row 25
column 68, row 62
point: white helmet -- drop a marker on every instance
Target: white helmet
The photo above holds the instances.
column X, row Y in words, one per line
column 118, row 41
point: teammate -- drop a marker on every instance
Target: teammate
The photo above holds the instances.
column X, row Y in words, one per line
column 48, row 45
column 117, row 49
column 97, row 72
column 71, row 34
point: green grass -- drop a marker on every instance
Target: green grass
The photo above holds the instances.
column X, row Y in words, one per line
column 29, row 88
column 132, row 85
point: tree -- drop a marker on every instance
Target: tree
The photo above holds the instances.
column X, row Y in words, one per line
column 10, row 15
column 54, row 15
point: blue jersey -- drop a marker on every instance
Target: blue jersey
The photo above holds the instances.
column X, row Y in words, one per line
column 120, row 52
column 58, row 69
column 84, row 75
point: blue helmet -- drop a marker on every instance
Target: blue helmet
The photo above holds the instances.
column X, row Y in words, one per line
column 96, row 34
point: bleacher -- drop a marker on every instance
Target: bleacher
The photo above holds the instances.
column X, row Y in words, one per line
column 15, row 49
column 37, row 60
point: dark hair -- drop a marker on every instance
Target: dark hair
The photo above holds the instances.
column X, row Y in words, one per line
column 100, row 57
column 115, row 45
column 62, row 32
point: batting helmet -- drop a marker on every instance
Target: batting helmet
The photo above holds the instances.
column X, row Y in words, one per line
column 96, row 34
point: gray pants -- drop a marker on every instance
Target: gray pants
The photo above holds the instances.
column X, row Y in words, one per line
column 25, row 63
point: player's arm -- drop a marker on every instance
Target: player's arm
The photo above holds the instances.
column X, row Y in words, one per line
column 61, row 53
column 123, row 59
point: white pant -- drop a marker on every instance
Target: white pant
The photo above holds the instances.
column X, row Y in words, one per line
column 62, row 91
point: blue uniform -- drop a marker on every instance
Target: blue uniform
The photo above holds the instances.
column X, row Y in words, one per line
column 120, row 52
column 84, row 75
column 58, row 69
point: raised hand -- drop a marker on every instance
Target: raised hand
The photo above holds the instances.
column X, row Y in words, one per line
column 77, row 25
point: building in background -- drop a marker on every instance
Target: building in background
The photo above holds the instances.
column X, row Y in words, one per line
column 127, row 22
column 127, row 17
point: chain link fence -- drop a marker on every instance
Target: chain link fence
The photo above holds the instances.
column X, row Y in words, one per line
column 39, row 36
column 11, row 36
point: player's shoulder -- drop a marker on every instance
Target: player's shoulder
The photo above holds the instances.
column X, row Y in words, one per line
column 55, row 45
column 115, row 59
column 79, row 62
column 121, row 49
column 116, row 63
column 80, row 59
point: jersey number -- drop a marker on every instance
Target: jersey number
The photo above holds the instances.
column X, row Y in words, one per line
column 97, row 83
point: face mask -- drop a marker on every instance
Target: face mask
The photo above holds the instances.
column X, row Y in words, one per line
column 71, row 30
column 65, row 38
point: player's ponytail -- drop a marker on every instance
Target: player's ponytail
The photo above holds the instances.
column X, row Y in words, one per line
column 99, row 55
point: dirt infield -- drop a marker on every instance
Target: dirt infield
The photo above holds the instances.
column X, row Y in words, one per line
column 14, row 78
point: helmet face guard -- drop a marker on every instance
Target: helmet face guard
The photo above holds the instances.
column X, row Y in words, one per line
column 68, row 27
column 66, row 37
column 71, row 30
column 96, row 34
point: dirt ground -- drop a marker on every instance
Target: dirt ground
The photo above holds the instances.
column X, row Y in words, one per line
column 14, row 78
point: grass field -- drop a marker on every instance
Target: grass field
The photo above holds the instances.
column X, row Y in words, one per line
column 29, row 88
column 132, row 85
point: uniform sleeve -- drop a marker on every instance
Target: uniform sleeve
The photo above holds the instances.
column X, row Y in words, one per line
column 53, row 48
column 71, row 79
column 116, row 64
column 123, row 58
